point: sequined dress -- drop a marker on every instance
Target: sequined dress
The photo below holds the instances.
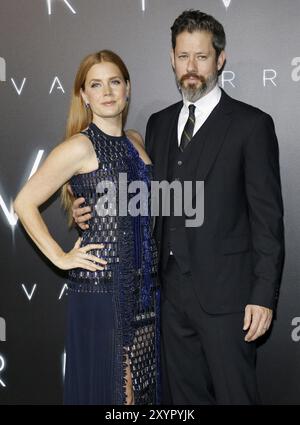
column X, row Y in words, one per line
column 113, row 314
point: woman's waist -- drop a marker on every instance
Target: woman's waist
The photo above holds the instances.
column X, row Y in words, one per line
column 110, row 271
column 81, row 280
column 111, row 238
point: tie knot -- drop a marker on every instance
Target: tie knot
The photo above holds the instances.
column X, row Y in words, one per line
column 192, row 108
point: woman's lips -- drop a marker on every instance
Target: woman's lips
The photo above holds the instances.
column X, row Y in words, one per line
column 108, row 103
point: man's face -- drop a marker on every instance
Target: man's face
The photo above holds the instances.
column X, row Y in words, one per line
column 195, row 64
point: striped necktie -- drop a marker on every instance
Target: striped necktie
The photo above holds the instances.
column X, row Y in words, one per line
column 188, row 129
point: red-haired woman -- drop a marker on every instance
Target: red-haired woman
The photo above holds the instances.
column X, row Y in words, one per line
column 112, row 341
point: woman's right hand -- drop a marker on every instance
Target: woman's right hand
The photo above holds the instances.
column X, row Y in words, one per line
column 79, row 257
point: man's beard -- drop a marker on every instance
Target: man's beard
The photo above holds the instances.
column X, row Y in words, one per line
column 192, row 92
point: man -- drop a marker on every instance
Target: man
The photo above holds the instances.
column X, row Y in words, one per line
column 220, row 281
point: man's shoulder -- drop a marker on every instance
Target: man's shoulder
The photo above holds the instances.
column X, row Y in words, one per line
column 166, row 112
column 244, row 109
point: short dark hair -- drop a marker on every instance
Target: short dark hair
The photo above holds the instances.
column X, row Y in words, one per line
column 194, row 20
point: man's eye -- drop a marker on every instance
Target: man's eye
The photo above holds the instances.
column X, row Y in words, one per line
column 182, row 56
column 116, row 82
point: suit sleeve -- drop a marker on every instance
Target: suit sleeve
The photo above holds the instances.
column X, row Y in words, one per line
column 263, row 189
column 149, row 137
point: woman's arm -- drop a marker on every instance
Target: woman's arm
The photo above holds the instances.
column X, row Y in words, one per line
column 63, row 162
column 139, row 144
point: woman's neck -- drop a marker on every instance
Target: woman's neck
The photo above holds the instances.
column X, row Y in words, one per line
column 112, row 126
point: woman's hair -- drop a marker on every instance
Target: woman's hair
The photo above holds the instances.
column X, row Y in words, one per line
column 79, row 116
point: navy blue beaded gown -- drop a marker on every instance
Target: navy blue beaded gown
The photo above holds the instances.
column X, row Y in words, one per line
column 113, row 314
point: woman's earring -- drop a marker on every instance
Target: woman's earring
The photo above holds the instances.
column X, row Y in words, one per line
column 87, row 105
column 127, row 98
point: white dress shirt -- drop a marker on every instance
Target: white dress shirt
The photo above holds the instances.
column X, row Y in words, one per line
column 204, row 107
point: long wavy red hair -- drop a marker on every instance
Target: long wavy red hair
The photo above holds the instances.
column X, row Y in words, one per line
column 79, row 116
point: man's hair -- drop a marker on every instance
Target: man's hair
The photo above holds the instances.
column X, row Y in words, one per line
column 194, row 20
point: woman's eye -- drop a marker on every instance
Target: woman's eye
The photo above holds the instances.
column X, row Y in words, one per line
column 95, row 85
column 116, row 82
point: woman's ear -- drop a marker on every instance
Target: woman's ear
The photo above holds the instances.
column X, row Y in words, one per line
column 128, row 87
column 84, row 97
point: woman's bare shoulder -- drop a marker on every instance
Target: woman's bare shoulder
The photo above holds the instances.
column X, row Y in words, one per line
column 138, row 142
column 78, row 143
column 135, row 136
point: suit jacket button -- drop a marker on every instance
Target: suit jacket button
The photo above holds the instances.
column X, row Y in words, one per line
column 179, row 162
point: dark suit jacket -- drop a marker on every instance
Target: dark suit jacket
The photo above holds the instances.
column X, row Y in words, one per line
column 237, row 254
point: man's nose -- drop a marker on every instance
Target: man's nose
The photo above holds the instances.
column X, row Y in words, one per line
column 191, row 65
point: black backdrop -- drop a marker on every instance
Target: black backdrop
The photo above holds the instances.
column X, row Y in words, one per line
column 41, row 45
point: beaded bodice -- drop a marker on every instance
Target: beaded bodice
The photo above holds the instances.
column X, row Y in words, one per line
column 116, row 157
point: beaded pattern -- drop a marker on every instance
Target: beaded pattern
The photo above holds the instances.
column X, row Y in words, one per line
column 130, row 273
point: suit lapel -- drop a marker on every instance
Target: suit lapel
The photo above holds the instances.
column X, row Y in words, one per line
column 214, row 136
column 166, row 136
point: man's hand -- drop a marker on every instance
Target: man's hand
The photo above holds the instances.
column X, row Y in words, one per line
column 258, row 320
column 81, row 215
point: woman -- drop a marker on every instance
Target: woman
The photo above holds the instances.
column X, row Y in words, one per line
column 112, row 335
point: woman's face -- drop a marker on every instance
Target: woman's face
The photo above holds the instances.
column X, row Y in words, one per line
column 105, row 90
